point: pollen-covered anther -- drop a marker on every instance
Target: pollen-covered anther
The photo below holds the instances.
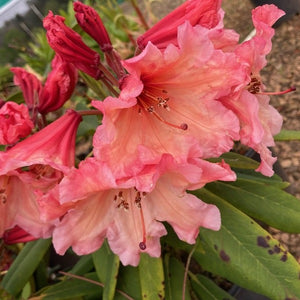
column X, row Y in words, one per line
column 3, row 196
column 122, row 202
column 254, row 86
column 138, row 199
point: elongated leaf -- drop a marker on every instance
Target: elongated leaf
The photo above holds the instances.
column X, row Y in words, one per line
column 72, row 288
column 287, row 135
column 261, row 201
column 174, row 279
column 207, row 289
column 107, row 267
column 255, row 177
column 129, row 283
column 246, row 254
column 83, row 266
column 236, row 160
column 24, row 265
column 151, row 277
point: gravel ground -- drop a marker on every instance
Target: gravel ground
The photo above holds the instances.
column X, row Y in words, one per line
column 282, row 72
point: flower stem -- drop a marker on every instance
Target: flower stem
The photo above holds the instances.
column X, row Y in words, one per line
column 91, row 112
column 139, row 13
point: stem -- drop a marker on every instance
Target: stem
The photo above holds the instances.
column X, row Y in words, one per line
column 186, row 271
column 139, row 13
column 92, row 112
column 93, row 282
column 110, row 87
column 108, row 75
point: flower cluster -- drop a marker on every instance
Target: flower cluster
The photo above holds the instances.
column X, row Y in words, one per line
column 190, row 92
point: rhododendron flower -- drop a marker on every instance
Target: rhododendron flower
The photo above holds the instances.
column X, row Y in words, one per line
column 15, row 122
column 69, row 45
column 17, row 235
column 204, row 13
column 259, row 120
column 58, row 87
column 128, row 212
column 33, row 166
column 168, row 104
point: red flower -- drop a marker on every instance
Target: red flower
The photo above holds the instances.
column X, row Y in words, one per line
column 30, row 85
column 14, row 122
column 17, row 235
column 163, row 33
column 89, row 20
column 58, row 88
column 69, row 45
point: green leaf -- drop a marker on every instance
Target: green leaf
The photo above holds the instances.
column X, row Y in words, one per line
column 287, row 135
column 174, row 279
column 151, row 277
column 207, row 289
column 129, row 283
column 255, row 177
column 84, row 265
column 73, row 288
column 267, row 203
column 24, row 265
column 246, row 254
column 236, row 160
column 107, row 268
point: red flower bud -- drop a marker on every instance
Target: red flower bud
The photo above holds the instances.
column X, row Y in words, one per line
column 89, row 20
column 69, row 45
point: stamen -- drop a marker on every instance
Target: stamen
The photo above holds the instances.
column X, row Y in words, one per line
column 150, row 98
column 142, row 244
column 3, row 196
column 291, row 89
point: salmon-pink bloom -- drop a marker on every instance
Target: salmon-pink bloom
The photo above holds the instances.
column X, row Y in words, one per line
column 34, row 166
column 58, row 88
column 69, row 45
column 129, row 216
column 204, row 13
column 17, row 235
column 15, row 123
column 259, row 120
column 168, row 104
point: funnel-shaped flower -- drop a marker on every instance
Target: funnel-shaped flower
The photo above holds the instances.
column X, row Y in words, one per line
column 259, row 120
column 69, row 45
column 204, row 13
column 168, row 104
column 35, row 164
column 15, row 123
column 104, row 206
